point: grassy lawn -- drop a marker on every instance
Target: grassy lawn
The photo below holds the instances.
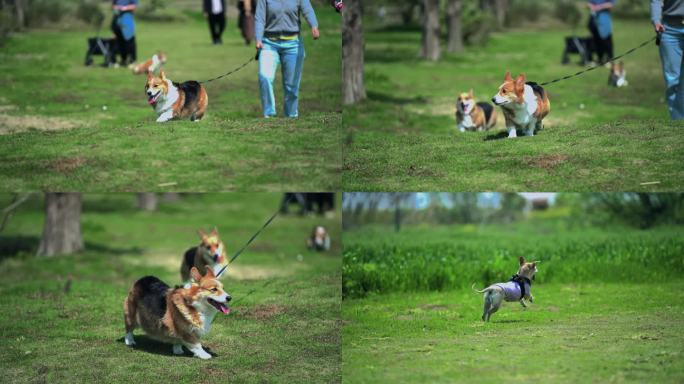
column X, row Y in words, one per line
column 64, row 126
column 572, row 333
column 285, row 323
column 404, row 136
column 607, row 303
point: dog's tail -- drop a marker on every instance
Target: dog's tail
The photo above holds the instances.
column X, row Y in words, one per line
column 476, row 291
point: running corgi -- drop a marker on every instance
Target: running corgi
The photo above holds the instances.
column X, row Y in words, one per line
column 473, row 116
column 176, row 100
column 210, row 254
column 319, row 240
column 524, row 104
column 152, row 65
column 618, row 75
column 180, row 316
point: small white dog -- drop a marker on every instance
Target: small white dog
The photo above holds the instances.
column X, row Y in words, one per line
column 516, row 289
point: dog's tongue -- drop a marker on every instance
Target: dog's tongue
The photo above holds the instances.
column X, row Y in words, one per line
column 152, row 101
column 224, row 309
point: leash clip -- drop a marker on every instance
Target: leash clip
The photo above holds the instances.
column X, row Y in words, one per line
column 258, row 52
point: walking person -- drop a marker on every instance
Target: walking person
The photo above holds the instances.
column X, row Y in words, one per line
column 246, row 20
column 123, row 26
column 215, row 13
column 601, row 28
column 277, row 33
column 668, row 20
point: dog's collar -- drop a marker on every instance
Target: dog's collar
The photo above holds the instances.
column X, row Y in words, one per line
column 521, row 281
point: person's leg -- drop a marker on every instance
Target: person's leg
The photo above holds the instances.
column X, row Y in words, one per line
column 212, row 27
column 221, row 27
column 678, row 106
column 597, row 39
column 132, row 50
column 268, row 63
column 292, row 65
column 671, row 57
column 121, row 48
column 608, row 44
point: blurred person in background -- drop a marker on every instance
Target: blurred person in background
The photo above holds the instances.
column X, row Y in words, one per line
column 215, row 13
column 123, row 26
column 601, row 28
column 668, row 20
column 277, row 32
column 246, row 20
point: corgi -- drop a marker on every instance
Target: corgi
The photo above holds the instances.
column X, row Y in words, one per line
column 175, row 100
column 618, row 75
column 524, row 104
column 319, row 239
column 180, row 316
column 473, row 116
column 209, row 254
column 152, row 65
column 516, row 289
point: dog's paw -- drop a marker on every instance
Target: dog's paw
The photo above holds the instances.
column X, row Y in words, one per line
column 203, row 355
column 178, row 349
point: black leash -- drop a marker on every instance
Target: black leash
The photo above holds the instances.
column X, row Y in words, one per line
column 645, row 43
column 255, row 58
column 235, row 256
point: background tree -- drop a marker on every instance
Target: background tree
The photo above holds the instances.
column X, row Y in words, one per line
column 454, row 33
column 62, row 227
column 147, row 201
column 353, row 89
column 431, row 30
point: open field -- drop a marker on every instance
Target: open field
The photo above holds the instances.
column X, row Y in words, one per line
column 64, row 126
column 404, row 137
column 607, row 304
column 285, row 323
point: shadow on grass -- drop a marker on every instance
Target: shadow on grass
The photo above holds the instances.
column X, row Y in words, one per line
column 14, row 245
column 496, row 136
column 385, row 98
column 147, row 344
column 509, row 321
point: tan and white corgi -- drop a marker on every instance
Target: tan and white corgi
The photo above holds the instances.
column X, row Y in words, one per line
column 618, row 75
column 152, row 65
column 524, row 104
column 472, row 115
column 209, row 254
column 176, row 100
column 180, row 316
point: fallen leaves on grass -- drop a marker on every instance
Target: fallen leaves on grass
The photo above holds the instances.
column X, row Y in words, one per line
column 67, row 164
column 13, row 124
column 262, row 312
column 545, row 161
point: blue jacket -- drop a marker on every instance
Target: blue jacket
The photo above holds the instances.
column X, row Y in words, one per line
column 282, row 17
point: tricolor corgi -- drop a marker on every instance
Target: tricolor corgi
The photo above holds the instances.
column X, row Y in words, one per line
column 524, row 104
column 319, row 239
column 618, row 75
column 180, row 316
column 473, row 116
column 152, row 65
column 175, row 100
column 209, row 254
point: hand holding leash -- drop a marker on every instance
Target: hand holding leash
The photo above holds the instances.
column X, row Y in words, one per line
column 659, row 29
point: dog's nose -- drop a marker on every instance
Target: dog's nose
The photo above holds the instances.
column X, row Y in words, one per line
column 228, row 298
column 493, row 99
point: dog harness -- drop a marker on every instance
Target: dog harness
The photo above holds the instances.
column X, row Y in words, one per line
column 516, row 288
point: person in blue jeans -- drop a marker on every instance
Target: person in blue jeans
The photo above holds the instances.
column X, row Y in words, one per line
column 277, row 35
column 123, row 26
column 668, row 20
column 601, row 28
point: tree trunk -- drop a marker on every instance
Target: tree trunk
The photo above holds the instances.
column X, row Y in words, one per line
column 455, row 37
column 62, row 228
column 431, row 32
column 147, row 201
column 353, row 89
column 397, row 217
column 496, row 8
column 171, row 197
column 20, row 10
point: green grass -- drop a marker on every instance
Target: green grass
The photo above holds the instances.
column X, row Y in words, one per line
column 404, row 138
column 448, row 257
column 55, row 134
column 573, row 333
column 286, row 330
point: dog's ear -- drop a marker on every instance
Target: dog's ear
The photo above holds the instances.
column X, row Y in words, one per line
column 194, row 273
column 214, row 231
column 522, row 260
column 162, row 75
column 210, row 273
column 470, row 93
column 520, row 85
column 621, row 66
column 507, row 76
column 201, row 234
column 149, row 76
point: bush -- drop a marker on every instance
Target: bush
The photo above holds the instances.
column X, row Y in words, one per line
column 568, row 11
column 157, row 10
column 90, row 12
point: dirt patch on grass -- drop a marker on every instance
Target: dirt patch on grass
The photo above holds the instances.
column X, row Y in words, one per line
column 262, row 312
column 434, row 307
column 13, row 124
column 545, row 161
column 67, row 164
